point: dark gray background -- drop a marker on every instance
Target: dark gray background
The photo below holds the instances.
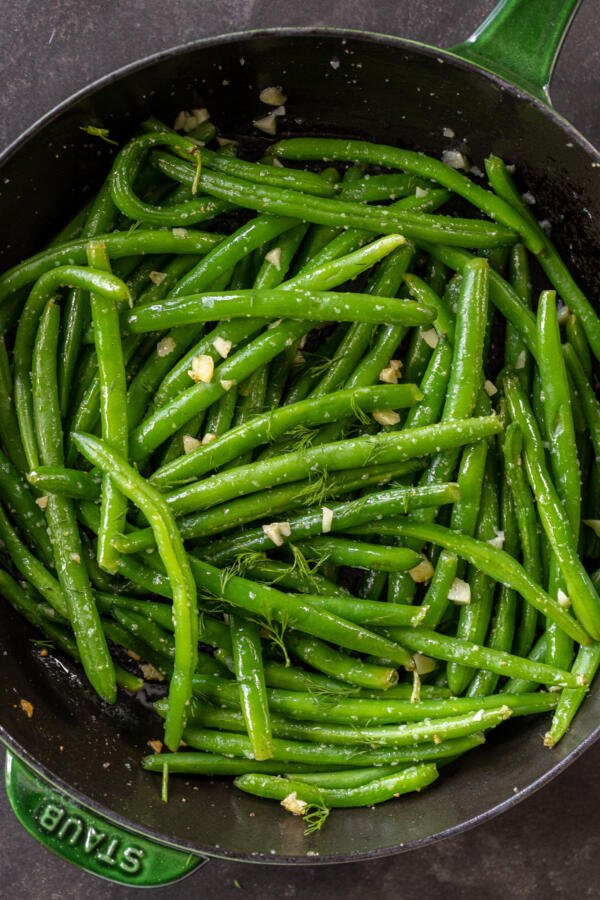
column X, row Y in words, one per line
column 548, row 846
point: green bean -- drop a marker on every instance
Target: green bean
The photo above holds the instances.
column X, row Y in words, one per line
column 416, row 164
column 176, row 563
column 113, row 407
column 585, row 392
column 525, row 685
column 423, row 293
column 377, row 791
column 268, row 603
column 515, row 350
column 381, row 187
column 288, row 751
column 382, row 448
column 60, row 514
column 325, row 211
column 583, row 596
column 435, row 601
column 272, row 501
column 359, row 554
column 528, row 531
column 318, row 306
column 586, row 664
column 344, row 779
column 441, row 646
column 259, row 567
column 250, row 676
column 192, row 763
column 9, row 427
column 118, row 245
column 23, row 508
column 490, row 560
column 344, row 515
column 45, row 287
column 578, row 341
column 550, row 261
column 327, row 659
column 433, row 388
column 474, row 617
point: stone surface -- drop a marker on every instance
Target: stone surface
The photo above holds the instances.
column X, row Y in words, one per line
column 548, row 846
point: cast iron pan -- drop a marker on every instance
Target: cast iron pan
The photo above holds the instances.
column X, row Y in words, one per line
column 352, row 84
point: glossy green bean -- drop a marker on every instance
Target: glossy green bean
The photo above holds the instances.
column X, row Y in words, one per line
column 345, row 552
column 325, row 658
column 250, row 676
column 25, row 511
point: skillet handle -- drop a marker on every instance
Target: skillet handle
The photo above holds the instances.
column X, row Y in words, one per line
column 88, row 840
column 520, row 40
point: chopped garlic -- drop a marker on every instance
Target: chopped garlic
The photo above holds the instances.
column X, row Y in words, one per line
column 455, row 159
column 386, row 416
column 157, row 277
column 424, row 664
column 277, row 163
column 392, row 372
column 415, row 694
column 490, row 388
column 150, row 673
column 521, row 360
column 190, row 443
column 421, row 192
column 208, row 438
column 274, row 257
column 326, row 520
column 222, row 346
column 276, row 532
column 179, row 232
column 294, row 805
column 497, row 541
column 563, row 599
column 460, row 592
column 156, row 746
column 431, row 337
column 272, row 96
column 42, row 502
column 563, row 314
column 27, row 708
column 75, row 557
column 594, row 524
column 448, row 132
column 267, row 123
column 188, row 119
column 227, row 383
column 203, row 368
column 422, row 572
column 165, row 347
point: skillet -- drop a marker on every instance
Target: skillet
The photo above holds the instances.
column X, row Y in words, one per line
column 73, row 772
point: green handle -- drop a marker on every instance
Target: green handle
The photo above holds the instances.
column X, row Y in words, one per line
column 520, row 40
column 88, row 840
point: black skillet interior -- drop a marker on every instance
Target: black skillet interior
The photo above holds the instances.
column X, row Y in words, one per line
column 376, row 88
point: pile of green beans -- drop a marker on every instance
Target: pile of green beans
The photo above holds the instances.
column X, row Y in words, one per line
column 308, row 450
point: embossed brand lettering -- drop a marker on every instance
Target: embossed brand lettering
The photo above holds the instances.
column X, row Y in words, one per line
column 132, row 860
column 92, row 839
column 108, row 855
column 50, row 816
column 75, row 826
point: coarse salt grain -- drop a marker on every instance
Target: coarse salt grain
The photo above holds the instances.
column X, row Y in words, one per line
column 448, row 132
column 203, row 368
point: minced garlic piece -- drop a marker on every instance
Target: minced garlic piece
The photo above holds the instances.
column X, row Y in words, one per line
column 392, row 372
column 274, row 257
column 563, row 599
column 327, row 519
column 423, row 571
column 276, row 532
column 386, row 416
column 157, row 277
column 294, row 805
column 222, row 346
column 497, row 541
column 460, row 592
column 156, row 746
column 179, row 232
column 208, row 438
column 150, row 673
column 202, row 369
column 455, row 159
column 75, row 557
column 267, row 123
column 165, row 346
column 27, row 708
column 188, row 119
column 190, row 443
column 42, row 502
column 490, row 388
column 423, row 664
column 421, row 192
column 431, row 337
column 272, row 96
column 227, row 383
